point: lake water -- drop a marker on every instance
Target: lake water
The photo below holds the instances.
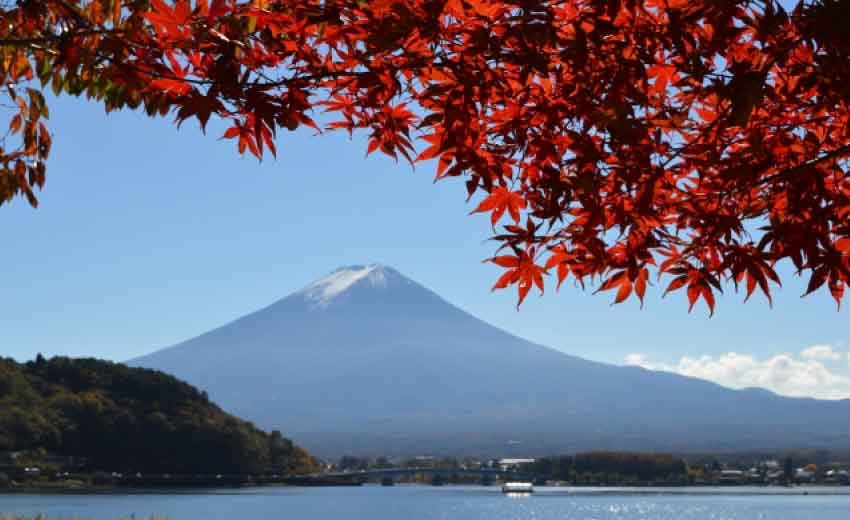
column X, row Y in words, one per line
column 411, row 502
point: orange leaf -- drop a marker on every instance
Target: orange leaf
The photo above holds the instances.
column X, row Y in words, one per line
column 505, row 280
column 499, row 201
column 708, row 296
column 624, row 292
column 836, row 288
column 640, row 284
column 174, row 86
column 505, row 261
column 231, row 132
column 694, row 291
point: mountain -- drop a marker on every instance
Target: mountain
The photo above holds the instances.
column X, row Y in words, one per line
column 130, row 420
column 367, row 361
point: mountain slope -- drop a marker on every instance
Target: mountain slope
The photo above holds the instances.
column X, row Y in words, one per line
column 368, row 361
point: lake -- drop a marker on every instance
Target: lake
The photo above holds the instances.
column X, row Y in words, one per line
column 412, row 502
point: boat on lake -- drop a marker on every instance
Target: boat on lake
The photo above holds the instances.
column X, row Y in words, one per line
column 517, row 487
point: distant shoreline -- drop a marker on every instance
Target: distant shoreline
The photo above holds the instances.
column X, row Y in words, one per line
column 199, row 489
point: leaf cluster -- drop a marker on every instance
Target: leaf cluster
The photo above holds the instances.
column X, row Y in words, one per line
column 612, row 142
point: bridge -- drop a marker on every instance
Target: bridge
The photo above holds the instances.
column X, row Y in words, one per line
column 359, row 477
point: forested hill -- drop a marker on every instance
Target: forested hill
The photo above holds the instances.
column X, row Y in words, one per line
column 131, row 419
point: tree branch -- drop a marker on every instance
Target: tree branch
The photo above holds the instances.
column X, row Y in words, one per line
column 805, row 166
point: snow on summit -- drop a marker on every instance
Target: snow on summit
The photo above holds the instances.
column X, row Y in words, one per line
column 324, row 290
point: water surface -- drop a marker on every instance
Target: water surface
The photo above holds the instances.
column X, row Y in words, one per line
column 410, row 502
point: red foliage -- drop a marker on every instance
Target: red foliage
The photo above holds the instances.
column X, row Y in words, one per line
column 700, row 140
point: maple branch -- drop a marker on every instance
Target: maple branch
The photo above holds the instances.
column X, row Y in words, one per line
column 49, row 38
column 805, row 166
column 75, row 13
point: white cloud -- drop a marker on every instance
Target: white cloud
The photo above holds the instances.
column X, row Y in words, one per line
column 825, row 352
column 783, row 373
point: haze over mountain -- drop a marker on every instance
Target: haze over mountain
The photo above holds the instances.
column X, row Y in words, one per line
column 367, row 361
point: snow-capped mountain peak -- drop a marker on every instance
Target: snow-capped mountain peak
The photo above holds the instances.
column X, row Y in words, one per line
column 324, row 290
column 365, row 360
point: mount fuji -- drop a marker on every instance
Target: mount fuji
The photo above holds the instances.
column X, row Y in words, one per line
column 366, row 361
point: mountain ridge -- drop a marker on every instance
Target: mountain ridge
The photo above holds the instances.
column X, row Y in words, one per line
column 365, row 360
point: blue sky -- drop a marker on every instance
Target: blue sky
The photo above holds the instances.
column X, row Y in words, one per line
column 147, row 236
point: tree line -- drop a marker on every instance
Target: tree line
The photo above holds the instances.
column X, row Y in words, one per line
column 587, row 468
column 605, row 467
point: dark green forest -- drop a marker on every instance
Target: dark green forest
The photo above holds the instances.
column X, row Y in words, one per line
column 131, row 420
column 605, row 466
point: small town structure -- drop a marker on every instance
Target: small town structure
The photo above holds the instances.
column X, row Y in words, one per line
column 513, row 464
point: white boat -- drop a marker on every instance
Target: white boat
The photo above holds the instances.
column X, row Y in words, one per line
column 517, row 487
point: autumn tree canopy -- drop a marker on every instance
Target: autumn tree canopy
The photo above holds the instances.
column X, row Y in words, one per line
column 614, row 141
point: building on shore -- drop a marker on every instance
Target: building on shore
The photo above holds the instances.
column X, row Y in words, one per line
column 732, row 476
column 513, row 464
